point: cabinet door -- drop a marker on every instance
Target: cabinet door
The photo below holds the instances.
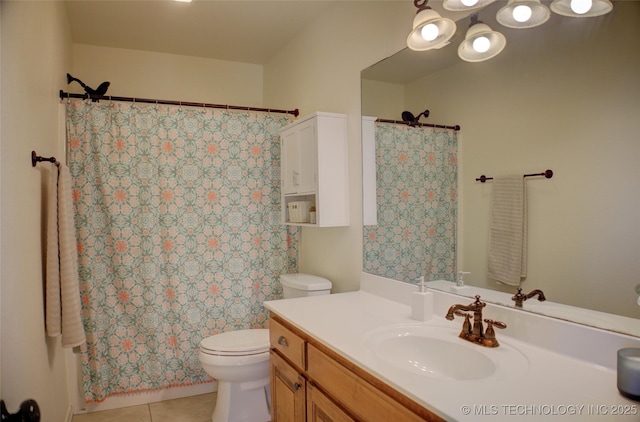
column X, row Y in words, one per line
column 288, row 392
column 361, row 398
column 321, row 409
column 289, row 171
column 299, row 158
column 307, row 157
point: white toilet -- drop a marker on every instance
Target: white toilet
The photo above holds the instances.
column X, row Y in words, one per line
column 239, row 360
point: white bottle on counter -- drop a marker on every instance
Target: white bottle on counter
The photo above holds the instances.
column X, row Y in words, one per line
column 421, row 303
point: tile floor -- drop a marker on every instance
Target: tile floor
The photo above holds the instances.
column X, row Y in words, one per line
column 188, row 409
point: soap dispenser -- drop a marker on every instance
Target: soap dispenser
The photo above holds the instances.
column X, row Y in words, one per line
column 460, row 283
column 421, row 303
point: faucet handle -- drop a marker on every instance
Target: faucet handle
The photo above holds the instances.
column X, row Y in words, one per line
column 519, row 297
column 490, row 335
column 497, row 324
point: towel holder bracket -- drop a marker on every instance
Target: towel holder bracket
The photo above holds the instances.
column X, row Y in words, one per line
column 35, row 159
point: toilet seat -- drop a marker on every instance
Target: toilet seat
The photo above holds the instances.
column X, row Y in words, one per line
column 237, row 343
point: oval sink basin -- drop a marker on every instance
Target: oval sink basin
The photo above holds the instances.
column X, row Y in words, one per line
column 438, row 352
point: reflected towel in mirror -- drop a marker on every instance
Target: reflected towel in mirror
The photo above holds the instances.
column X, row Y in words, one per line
column 508, row 235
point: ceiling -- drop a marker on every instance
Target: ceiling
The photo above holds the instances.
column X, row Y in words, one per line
column 233, row 30
column 246, row 31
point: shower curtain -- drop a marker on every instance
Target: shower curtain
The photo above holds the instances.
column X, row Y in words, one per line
column 416, row 197
column 177, row 216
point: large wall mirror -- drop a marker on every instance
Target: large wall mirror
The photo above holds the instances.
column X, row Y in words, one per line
column 563, row 96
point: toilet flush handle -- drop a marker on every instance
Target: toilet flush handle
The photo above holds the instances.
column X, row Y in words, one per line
column 282, row 341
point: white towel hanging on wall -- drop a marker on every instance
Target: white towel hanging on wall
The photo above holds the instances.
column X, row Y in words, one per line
column 63, row 309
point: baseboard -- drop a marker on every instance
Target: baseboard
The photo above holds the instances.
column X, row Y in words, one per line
column 136, row 399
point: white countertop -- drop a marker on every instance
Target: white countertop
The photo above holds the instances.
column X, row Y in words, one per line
column 555, row 386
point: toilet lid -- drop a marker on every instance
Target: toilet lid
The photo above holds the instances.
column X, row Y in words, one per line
column 241, row 342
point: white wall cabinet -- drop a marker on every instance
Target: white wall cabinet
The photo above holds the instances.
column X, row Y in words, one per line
column 314, row 169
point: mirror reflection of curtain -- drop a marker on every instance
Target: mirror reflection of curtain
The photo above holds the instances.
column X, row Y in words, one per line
column 416, row 196
column 179, row 236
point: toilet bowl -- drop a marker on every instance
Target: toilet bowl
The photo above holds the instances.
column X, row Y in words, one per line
column 239, row 360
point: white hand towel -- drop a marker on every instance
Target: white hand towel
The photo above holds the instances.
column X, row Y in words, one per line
column 63, row 291
column 508, row 243
column 52, row 290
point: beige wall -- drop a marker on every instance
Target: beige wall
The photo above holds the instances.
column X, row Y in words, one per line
column 144, row 74
column 35, row 56
column 382, row 99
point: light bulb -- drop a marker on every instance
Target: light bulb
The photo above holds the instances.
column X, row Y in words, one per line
column 522, row 13
column 469, row 3
column 581, row 6
column 481, row 44
column 429, row 32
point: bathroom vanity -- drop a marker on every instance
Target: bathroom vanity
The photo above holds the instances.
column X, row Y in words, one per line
column 359, row 356
column 302, row 368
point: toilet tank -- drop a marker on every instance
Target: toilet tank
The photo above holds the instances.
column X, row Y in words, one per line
column 299, row 285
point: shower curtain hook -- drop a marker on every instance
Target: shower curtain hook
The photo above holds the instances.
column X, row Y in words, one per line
column 68, row 98
column 204, row 108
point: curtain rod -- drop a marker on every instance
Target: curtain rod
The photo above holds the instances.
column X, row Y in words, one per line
column 64, row 95
column 434, row 125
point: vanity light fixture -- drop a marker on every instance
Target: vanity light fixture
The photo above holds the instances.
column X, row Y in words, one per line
column 462, row 5
column 481, row 42
column 523, row 14
column 581, row 8
column 430, row 30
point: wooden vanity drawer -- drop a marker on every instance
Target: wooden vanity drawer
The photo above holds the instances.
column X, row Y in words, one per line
column 366, row 401
column 287, row 343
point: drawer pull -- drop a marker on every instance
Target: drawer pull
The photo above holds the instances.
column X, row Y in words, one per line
column 283, row 341
column 297, row 386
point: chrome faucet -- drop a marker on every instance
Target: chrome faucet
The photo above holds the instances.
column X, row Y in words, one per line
column 475, row 333
column 519, row 297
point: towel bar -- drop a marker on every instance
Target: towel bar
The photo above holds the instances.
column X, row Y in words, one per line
column 547, row 173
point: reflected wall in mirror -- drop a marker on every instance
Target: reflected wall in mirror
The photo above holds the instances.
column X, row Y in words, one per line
column 562, row 96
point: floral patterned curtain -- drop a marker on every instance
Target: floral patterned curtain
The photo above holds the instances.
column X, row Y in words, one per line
column 416, row 182
column 179, row 235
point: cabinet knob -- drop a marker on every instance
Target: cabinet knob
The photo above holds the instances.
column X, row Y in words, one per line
column 283, row 341
column 297, row 386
